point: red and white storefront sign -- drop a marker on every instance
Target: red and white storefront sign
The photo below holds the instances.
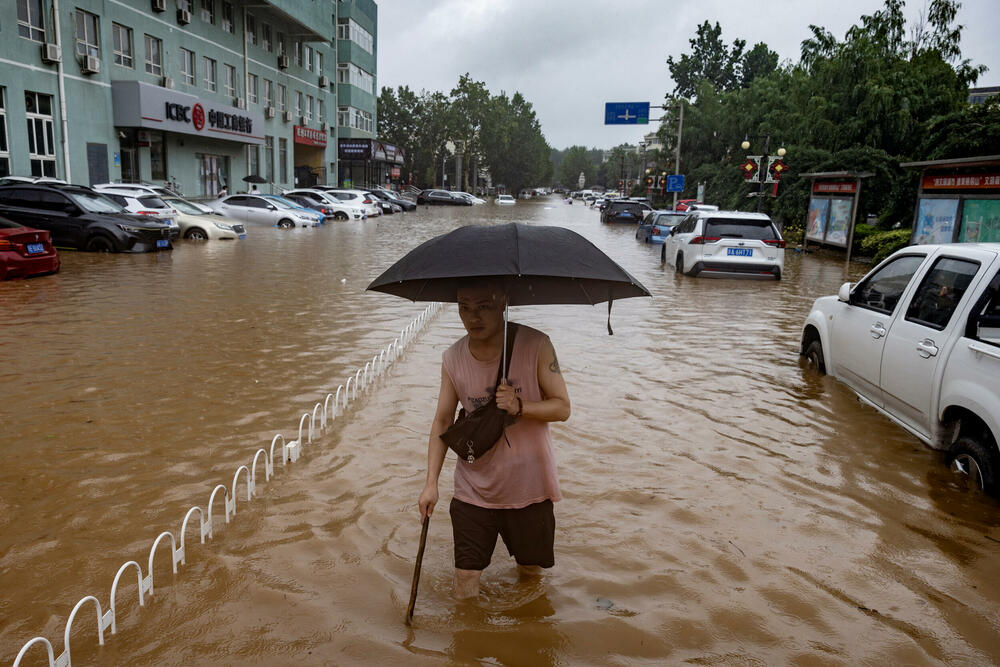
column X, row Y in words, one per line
column 835, row 187
column 961, row 182
column 309, row 136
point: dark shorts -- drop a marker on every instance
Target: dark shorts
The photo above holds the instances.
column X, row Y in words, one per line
column 527, row 532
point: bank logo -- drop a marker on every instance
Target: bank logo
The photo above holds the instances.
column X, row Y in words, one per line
column 198, row 117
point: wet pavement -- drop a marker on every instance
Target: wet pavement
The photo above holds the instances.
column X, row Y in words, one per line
column 723, row 504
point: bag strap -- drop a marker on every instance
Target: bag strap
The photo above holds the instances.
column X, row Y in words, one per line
column 502, row 370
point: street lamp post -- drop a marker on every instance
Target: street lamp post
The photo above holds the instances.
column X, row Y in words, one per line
column 754, row 169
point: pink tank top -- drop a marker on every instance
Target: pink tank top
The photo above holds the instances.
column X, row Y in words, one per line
column 525, row 472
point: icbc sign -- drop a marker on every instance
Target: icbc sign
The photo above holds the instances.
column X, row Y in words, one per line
column 198, row 117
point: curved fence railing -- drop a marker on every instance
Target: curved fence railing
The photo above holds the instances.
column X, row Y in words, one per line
column 334, row 405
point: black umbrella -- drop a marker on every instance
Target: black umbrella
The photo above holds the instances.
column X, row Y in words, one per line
column 537, row 264
column 254, row 178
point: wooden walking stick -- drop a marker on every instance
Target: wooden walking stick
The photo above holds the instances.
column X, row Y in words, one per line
column 416, row 570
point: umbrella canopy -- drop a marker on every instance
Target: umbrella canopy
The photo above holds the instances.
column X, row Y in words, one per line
column 254, row 178
column 537, row 264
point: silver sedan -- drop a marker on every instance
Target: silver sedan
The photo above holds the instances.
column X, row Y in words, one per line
column 256, row 209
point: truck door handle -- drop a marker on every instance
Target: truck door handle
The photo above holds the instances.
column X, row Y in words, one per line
column 927, row 348
column 877, row 330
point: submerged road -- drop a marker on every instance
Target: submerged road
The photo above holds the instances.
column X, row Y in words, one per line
column 723, row 504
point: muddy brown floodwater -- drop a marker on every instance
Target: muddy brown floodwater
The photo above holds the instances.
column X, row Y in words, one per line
column 723, row 504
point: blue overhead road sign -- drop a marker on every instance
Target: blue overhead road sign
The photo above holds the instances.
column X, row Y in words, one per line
column 675, row 183
column 626, row 113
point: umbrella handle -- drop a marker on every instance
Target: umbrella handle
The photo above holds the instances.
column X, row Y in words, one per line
column 416, row 570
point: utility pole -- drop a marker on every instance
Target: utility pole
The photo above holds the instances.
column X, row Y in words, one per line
column 677, row 159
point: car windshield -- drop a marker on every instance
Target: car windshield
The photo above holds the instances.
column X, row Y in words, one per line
column 281, row 202
column 667, row 219
column 184, row 206
column 729, row 228
column 95, row 203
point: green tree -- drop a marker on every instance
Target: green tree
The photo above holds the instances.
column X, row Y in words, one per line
column 710, row 59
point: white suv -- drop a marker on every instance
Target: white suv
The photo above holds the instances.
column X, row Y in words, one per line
column 725, row 243
column 355, row 198
column 147, row 205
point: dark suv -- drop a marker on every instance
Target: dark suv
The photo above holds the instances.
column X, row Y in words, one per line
column 625, row 211
column 78, row 217
column 441, row 197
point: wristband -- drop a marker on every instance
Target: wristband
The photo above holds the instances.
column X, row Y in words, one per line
column 520, row 407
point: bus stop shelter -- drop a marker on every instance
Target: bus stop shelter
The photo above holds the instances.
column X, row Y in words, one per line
column 833, row 208
column 958, row 200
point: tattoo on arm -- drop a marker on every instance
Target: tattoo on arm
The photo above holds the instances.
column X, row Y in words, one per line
column 554, row 366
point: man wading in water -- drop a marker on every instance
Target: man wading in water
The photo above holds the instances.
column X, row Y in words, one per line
column 508, row 491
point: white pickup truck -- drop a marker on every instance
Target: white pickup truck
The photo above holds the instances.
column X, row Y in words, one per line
column 919, row 340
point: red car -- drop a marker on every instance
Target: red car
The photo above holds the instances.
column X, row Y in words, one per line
column 683, row 204
column 25, row 251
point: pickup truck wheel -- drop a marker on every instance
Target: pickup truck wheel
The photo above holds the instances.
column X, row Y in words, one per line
column 972, row 459
column 814, row 356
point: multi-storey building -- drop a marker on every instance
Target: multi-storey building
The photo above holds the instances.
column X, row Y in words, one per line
column 196, row 93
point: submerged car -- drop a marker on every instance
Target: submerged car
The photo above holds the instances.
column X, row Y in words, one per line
column 724, row 243
column 200, row 223
column 80, row 218
column 442, row 197
column 25, row 252
column 326, row 203
column 625, row 211
column 265, row 210
column 656, row 226
column 506, row 199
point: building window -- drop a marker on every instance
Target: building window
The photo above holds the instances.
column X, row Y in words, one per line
column 184, row 4
column 87, row 34
column 230, row 80
column 282, row 160
column 4, row 146
column 253, row 161
column 123, row 45
column 269, row 159
column 208, row 11
column 265, row 36
column 307, row 57
column 298, row 102
column 252, row 88
column 227, row 17
column 320, row 111
column 309, row 107
column 31, row 20
column 154, row 55
column 348, row 29
column 251, row 30
column 297, row 52
column 41, row 134
column 210, row 74
column 268, row 93
column 355, row 76
column 281, row 97
column 319, row 63
column 187, row 66
column 282, row 45
column 356, row 118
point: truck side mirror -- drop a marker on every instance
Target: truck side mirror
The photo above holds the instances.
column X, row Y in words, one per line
column 845, row 292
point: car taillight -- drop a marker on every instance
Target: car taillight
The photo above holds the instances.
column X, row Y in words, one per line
column 147, row 212
column 9, row 245
column 369, row 201
column 777, row 243
column 656, row 231
column 702, row 240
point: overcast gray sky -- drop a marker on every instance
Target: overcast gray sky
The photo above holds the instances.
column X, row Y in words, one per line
column 569, row 57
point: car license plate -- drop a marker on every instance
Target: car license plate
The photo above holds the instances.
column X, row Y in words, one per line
column 740, row 252
column 36, row 248
column 162, row 243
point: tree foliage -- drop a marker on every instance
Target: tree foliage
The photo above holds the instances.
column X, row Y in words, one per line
column 497, row 132
column 882, row 95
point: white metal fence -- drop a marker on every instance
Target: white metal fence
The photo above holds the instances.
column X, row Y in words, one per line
column 333, row 406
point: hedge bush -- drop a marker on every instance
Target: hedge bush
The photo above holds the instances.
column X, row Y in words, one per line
column 881, row 244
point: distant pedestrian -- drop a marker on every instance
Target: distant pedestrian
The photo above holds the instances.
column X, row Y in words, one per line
column 254, row 190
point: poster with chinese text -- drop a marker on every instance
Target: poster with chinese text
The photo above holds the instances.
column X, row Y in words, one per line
column 935, row 220
column 819, row 211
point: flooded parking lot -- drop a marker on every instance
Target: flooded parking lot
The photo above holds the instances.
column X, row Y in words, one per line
column 723, row 505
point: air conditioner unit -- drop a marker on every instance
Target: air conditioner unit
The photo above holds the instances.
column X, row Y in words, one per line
column 268, row 112
column 90, row 65
column 167, row 82
column 303, row 120
column 238, row 102
column 324, row 81
column 287, row 116
column 283, row 62
column 51, row 53
column 325, row 127
column 159, row 5
column 183, row 16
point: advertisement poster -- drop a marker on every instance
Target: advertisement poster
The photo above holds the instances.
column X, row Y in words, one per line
column 840, row 220
column 819, row 211
column 980, row 221
column 935, row 220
